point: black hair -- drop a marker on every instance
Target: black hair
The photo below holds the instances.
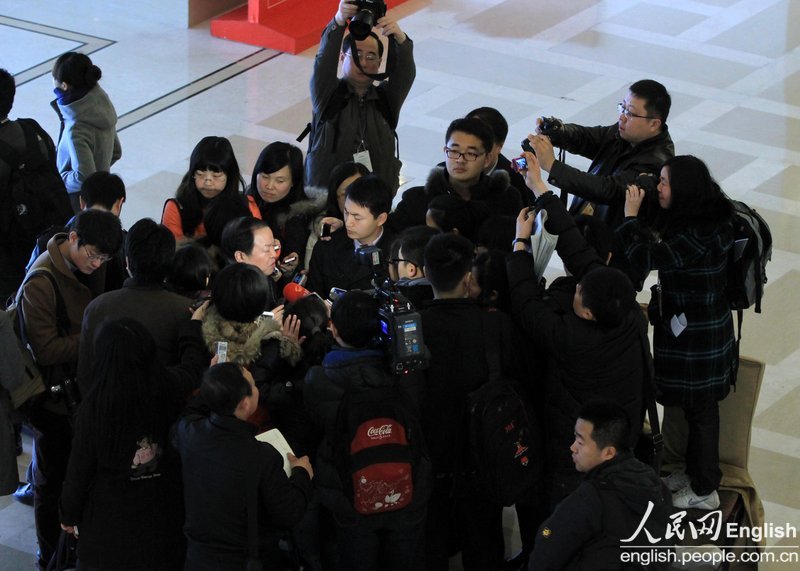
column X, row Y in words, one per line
column 102, row 188
column 596, row 233
column 492, row 117
column 240, row 292
column 372, row 193
column 489, row 271
column 609, row 295
column 497, row 233
column 8, row 89
column 238, row 236
column 223, row 388
column 313, row 315
column 219, row 213
column 149, row 249
column 610, row 423
column 76, row 70
column 190, row 270
column 412, row 241
column 696, row 198
column 475, row 127
column 348, row 41
column 448, row 258
column 210, row 154
column 98, row 228
column 273, row 158
column 656, row 96
column 355, row 315
column 130, row 394
column 450, row 213
column 339, row 174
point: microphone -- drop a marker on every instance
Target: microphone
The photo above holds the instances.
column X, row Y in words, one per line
column 292, row 292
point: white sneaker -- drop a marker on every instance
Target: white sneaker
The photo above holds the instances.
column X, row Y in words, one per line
column 676, row 481
column 686, row 498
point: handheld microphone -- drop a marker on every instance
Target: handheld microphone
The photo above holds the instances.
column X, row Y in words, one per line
column 292, row 292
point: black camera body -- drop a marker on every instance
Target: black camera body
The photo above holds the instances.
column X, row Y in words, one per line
column 369, row 12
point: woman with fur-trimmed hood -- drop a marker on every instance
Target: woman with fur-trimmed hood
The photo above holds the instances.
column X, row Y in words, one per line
column 267, row 346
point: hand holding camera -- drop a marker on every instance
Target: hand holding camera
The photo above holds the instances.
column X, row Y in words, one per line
column 633, row 200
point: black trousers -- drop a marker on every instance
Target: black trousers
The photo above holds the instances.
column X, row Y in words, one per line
column 702, row 448
column 52, row 442
column 463, row 521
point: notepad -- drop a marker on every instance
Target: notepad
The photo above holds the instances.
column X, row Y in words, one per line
column 275, row 439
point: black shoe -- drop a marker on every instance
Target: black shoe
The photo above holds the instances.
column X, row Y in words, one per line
column 24, row 494
column 517, row 563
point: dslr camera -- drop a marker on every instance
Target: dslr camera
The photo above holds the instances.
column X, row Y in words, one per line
column 548, row 126
column 369, row 12
column 400, row 335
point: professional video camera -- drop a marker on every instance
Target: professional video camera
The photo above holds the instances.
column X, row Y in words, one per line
column 401, row 326
column 369, row 12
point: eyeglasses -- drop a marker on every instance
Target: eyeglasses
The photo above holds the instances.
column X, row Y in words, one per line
column 369, row 56
column 622, row 110
column 468, row 156
column 214, row 175
column 102, row 258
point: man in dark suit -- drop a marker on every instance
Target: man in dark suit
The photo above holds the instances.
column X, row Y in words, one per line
column 335, row 263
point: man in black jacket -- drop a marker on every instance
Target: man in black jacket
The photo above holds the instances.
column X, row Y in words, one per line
column 468, row 143
column 638, row 143
column 620, row 504
column 455, row 329
column 226, row 471
column 595, row 350
column 334, row 263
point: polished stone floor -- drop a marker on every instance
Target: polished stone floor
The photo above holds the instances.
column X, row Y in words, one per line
column 732, row 66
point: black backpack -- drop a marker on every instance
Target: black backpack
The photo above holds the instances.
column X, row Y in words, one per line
column 505, row 438
column 747, row 266
column 380, row 452
column 36, row 197
column 747, row 262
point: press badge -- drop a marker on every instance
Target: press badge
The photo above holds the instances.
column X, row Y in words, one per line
column 362, row 157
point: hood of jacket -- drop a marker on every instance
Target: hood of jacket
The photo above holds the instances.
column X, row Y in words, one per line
column 309, row 208
column 356, row 368
column 244, row 339
column 94, row 108
column 493, row 184
column 635, row 482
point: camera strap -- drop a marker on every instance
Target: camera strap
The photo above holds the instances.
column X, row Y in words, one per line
column 391, row 60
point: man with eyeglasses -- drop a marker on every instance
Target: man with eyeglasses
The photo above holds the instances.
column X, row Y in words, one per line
column 60, row 284
column 466, row 151
column 353, row 119
column 638, row 143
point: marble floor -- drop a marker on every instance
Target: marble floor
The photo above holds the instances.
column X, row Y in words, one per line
column 732, row 67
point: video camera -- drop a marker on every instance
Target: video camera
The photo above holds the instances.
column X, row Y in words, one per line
column 400, row 335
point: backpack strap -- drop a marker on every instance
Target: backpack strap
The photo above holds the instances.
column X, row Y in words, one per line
column 649, row 395
column 62, row 319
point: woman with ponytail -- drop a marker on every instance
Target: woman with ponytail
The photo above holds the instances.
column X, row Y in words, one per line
column 88, row 139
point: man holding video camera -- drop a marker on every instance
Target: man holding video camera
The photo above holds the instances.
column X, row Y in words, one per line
column 352, row 118
column 638, row 143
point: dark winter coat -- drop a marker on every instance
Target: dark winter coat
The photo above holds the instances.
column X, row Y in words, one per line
column 160, row 311
column 220, row 457
column 454, row 332
column 584, row 360
column 615, row 164
column 586, row 530
column 695, row 367
column 335, row 141
column 491, row 195
column 130, row 509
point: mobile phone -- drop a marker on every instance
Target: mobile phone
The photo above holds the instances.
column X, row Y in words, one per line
column 526, row 146
column 289, row 260
column 519, row 164
column 300, row 279
column 198, row 302
column 326, row 231
column 336, row 293
column 222, row 351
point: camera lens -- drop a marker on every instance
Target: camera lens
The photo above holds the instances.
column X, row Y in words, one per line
column 361, row 25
